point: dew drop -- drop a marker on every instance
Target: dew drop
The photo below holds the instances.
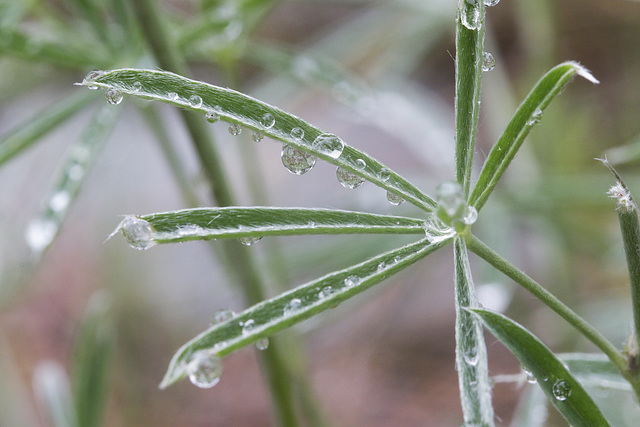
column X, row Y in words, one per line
column 361, row 164
column 535, row 117
column 490, row 3
column 91, row 76
column 212, row 116
column 351, row 281
column 195, row 101
column 326, row 292
column 470, row 215
column 137, row 86
column 40, row 234
column 394, row 199
column 530, row 378
column 347, row 179
column 450, row 198
column 470, row 17
column 235, row 129
column 59, row 201
column 75, row 172
column 381, row 267
column 297, row 134
column 329, row 144
column 296, row 161
column 268, row 120
column 561, row 390
column 248, row 326
column 292, row 306
column 138, row 232
column 221, row 315
column 471, row 357
column 204, row 369
column 113, row 96
column 384, row 175
column 257, row 136
column 488, row 61
column 173, row 96
column 249, row 240
column 262, row 344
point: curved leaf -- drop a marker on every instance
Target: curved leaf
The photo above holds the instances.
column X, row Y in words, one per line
column 596, row 370
column 528, row 114
column 301, row 303
column 562, row 388
column 237, row 108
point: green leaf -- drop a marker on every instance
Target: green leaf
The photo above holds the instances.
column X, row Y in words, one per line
column 292, row 307
column 237, row 108
column 471, row 352
column 528, row 114
column 469, row 41
column 92, row 356
column 595, row 370
column 236, row 222
column 38, row 125
column 53, row 394
column 562, row 388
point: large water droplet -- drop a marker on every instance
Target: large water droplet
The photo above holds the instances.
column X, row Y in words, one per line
column 235, row 129
column 561, row 390
column 297, row 161
column 488, row 61
column 490, row 3
column 248, row 326
column 394, row 199
column 249, row 240
column 329, row 144
column 40, row 234
column 262, row 344
column 138, row 232
column 470, row 17
column 221, row 315
column 257, row 136
column 384, row 175
column 90, row 77
column 204, row 369
column 267, row 120
column 113, row 96
column 212, row 116
column 195, row 101
column 348, row 179
column 535, row 118
column 297, row 133
column 292, row 306
column 59, row 201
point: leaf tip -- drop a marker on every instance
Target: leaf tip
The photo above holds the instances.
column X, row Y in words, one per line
column 585, row 73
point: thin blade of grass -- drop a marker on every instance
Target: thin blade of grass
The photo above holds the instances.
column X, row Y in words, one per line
column 301, row 303
column 528, row 114
column 237, row 108
column 29, row 132
column 53, row 394
column 561, row 387
column 471, row 352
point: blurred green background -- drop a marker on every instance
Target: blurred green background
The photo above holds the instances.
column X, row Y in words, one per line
column 379, row 74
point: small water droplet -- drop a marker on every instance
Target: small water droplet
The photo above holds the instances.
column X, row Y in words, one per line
column 471, row 357
column 488, row 61
column 221, row 315
column 530, row 378
column 490, row 3
column 384, row 175
column 40, row 234
column 75, row 172
column 91, row 76
column 297, row 133
column 249, row 240
column 59, row 201
column 113, row 96
column 381, row 267
column 212, row 116
column 235, row 129
column 173, row 96
column 195, row 101
column 450, row 198
column 329, row 144
column 296, row 161
column 138, row 232
column 257, row 136
column 248, row 326
column 535, row 117
column 351, row 281
column 470, row 215
column 361, row 164
column 268, row 120
column 137, row 86
column 348, row 179
column 561, row 390
column 292, row 306
column 394, row 199
column 204, row 369
column 326, row 292
column 262, row 344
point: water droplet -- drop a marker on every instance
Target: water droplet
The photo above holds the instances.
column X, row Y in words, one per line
column 297, row 134
column 75, row 172
column 347, row 179
column 361, row 164
column 530, row 378
column 384, row 175
column 212, row 116
column 59, row 201
column 91, row 76
column 326, row 292
column 329, row 144
column 268, row 120
column 113, row 96
column 470, row 215
column 137, row 86
column 488, row 61
column 561, row 390
column 292, row 306
column 262, row 344
column 195, row 101
column 249, row 240
column 394, row 199
column 235, row 129
column 490, row 3
column 204, row 369
column 138, row 232
column 470, row 16
column 222, row 315
column 257, row 136
column 173, row 96
column 351, row 281
column 381, row 267
column 40, row 234
column 450, row 198
column 471, row 357
column 535, row 117
column 248, row 326
column 296, row 161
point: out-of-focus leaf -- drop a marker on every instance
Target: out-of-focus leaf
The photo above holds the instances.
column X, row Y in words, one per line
column 53, row 394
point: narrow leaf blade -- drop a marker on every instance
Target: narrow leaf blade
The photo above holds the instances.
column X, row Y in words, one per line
column 301, row 303
column 53, row 394
column 237, row 108
column 560, row 386
column 527, row 115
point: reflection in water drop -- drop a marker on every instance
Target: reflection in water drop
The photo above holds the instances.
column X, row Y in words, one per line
column 329, row 144
column 113, row 96
column 235, row 129
column 296, row 161
column 348, row 179
column 204, row 369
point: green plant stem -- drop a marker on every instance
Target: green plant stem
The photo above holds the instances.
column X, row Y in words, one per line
column 501, row 264
column 242, row 261
column 631, row 238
